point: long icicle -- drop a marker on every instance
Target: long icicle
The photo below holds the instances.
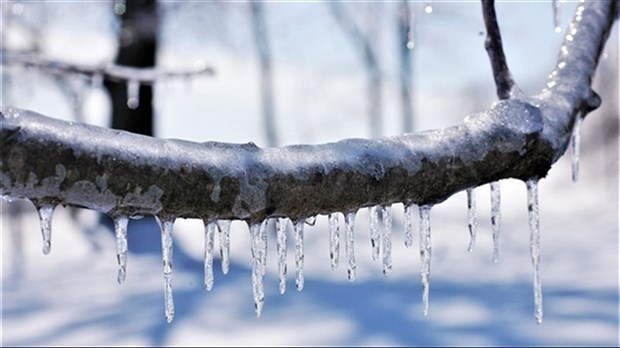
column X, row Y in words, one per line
column 281, row 248
column 165, row 226
column 386, row 240
column 373, row 213
column 224, row 238
column 472, row 221
column 495, row 218
column 575, row 146
column 409, row 216
column 209, row 246
column 350, row 245
column 533, row 211
column 257, row 274
column 299, row 255
column 334, row 240
column 45, row 212
column 425, row 253
column 120, row 230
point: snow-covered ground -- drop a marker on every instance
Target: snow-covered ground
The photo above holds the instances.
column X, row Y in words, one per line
column 71, row 296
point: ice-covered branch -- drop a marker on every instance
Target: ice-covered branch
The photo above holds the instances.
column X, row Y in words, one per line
column 56, row 162
column 107, row 71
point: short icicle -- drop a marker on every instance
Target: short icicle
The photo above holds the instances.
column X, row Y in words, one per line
column 209, row 246
column 45, row 216
column 556, row 16
column 409, row 216
column 224, row 237
column 133, row 94
column 281, row 246
column 299, row 255
column 257, row 273
column 334, row 240
column 533, row 211
column 425, row 253
column 120, row 229
column 165, row 225
column 386, row 240
column 495, row 218
column 575, row 146
column 472, row 221
column 350, row 245
column 373, row 213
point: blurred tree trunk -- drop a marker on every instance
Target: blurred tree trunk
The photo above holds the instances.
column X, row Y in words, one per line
column 405, row 45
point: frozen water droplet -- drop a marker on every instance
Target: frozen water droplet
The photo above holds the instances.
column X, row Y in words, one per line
column 386, row 240
column 425, row 253
column 575, row 146
column 334, row 240
column 533, row 212
column 120, row 229
column 410, row 44
column 350, row 245
column 119, row 7
column 373, row 213
column 257, row 249
column 209, row 243
column 472, row 221
column 166, row 225
column 495, row 218
column 224, row 238
column 409, row 225
column 311, row 220
column 558, row 30
column 428, row 8
column 133, row 94
column 299, row 255
column 45, row 216
column 281, row 246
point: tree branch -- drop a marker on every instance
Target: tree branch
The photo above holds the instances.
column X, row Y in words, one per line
column 116, row 172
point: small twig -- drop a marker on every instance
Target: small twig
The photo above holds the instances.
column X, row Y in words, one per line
column 493, row 44
column 109, row 71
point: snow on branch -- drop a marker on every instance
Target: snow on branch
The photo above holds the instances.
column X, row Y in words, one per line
column 119, row 173
column 108, row 71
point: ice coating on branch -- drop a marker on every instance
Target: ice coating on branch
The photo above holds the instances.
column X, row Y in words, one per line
column 45, row 217
column 409, row 216
column 575, row 146
column 120, row 230
column 386, row 239
column 165, row 225
column 349, row 220
column 334, row 240
column 495, row 218
column 258, row 250
column 299, row 255
column 224, row 237
column 425, row 253
column 373, row 213
column 533, row 212
column 209, row 245
column 472, row 221
column 281, row 248
column 133, row 94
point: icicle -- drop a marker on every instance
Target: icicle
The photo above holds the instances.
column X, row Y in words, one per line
column 209, row 241
column 556, row 16
column 386, row 239
column 532, row 208
column 45, row 216
column 495, row 218
column 120, row 229
column 165, row 226
column 311, row 220
column 224, row 238
column 428, row 6
column 350, row 245
column 334, row 240
column 257, row 267
column 133, row 94
column 576, row 145
column 409, row 225
column 299, row 255
column 373, row 213
column 472, row 221
column 425, row 253
column 281, row 246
